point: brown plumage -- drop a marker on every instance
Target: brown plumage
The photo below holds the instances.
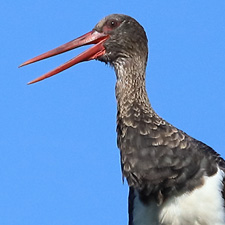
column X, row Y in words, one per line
column 159, row 161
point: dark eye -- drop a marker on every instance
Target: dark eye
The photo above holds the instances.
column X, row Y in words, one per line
column 112, row 24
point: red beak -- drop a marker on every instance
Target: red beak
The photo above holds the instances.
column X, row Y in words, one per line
column 92, row 37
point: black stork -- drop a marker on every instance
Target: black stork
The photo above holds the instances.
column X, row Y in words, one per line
column 173, row 178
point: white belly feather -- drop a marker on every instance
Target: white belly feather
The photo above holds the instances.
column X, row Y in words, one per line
column 202, row 206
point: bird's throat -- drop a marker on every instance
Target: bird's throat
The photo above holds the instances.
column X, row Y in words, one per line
column 130, row 86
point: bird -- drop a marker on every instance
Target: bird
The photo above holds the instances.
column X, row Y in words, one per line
column 173, row 178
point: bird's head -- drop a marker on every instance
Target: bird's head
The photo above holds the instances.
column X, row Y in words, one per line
column 116, row 38
column 127, row 38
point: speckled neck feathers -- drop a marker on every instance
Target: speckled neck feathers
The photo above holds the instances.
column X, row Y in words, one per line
column 130, row 86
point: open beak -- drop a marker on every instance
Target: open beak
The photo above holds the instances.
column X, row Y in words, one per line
column 92, row 37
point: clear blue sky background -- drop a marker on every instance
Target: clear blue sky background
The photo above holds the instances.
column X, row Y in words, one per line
column 59, row 162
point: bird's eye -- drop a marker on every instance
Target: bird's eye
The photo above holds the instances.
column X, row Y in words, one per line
column 112, row 24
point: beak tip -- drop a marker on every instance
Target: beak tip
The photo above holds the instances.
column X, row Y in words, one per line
column 31, row 82
column 22, row 64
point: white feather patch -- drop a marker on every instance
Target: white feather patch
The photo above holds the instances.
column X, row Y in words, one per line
column 202, row 206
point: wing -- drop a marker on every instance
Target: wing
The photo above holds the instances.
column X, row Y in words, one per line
column 160, row 160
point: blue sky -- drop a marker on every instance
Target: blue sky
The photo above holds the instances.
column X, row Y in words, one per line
column 59, row 161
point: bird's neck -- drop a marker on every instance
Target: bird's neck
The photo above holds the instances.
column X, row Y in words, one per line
column 130, row 87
